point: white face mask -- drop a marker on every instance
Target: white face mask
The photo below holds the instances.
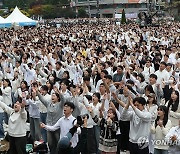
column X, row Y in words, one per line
column 171, row 81
column 51, row 78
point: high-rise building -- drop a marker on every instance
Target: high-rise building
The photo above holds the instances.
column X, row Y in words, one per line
column 1, row 3
column 108, row 8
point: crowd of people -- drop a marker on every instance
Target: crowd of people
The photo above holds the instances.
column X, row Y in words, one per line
column 91, row 88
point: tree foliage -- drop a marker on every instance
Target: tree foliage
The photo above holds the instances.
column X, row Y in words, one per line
column 82, row 13
column 123, row 18
column 46, row 8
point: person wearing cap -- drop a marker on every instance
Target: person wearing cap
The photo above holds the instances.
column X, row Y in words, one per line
column 65, row 123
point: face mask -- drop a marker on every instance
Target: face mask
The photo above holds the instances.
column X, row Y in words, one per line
column 51, row 78
column 171, row 81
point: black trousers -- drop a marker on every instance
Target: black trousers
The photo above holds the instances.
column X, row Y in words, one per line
column 135, row 149
column 17, row 145
column 87, row 142
column 69, row 150
column 123, row 141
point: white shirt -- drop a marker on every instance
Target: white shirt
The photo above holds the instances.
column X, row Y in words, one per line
column 29, row 74
column 6, row 94
column 147, row 71
column 139, row 124
column 65, row 124
column 162, row 75
column 174, row 131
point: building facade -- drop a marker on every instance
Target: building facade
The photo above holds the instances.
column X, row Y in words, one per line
column 108, row 8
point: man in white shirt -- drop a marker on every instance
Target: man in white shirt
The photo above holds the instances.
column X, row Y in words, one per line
column 65, row 124
column 173, row 138
column 140, row 120
column 29, row 72
column 148, row 69
column 162, row 73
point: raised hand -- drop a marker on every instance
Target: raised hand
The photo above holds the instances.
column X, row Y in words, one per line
column 42, row 125
column 114, row 95
column 23, row 95
column 130, row 100
column 56, row 89
column 23, row 104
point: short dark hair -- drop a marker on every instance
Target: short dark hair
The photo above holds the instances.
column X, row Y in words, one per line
column 130, row 82
column 44, row 87
column 105, row 72
column 108, row 77
column 164, row 63
column 120, row 66
column 97, row 95
column 86, row 78
column 59, row 63
column 89, row 97
column 70, row 104
column 66, row 82
column 153, row 76
column 140, row 100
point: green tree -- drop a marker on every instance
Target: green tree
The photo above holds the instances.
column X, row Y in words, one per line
column 82, row 13
column 123, row 18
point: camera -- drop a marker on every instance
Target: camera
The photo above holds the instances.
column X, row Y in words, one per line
column 84, row 116
column 80, row 119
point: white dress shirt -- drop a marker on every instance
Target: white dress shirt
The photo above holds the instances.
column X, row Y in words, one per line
column 65, row 124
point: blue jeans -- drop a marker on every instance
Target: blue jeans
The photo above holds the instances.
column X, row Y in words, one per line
column 35, row 128
column 6, row 118
column 43, row 131
column 160, row 151
column 52, row 139
column 1, row 125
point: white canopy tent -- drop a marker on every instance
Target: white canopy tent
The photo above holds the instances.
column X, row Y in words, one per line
column 18, row 18
column 3, row 23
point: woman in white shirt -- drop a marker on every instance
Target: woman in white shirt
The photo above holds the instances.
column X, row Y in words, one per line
column 15, row 84
column 174, row 108
column 160, row 129
column 23, row 89
column 151, row 106
column 6, row 94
